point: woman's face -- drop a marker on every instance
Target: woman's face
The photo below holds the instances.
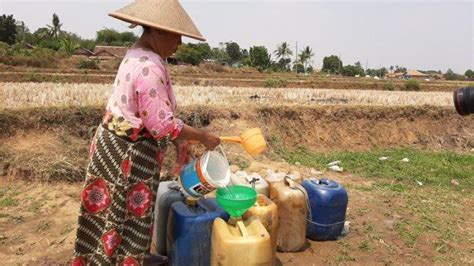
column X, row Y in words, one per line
column 168, row 42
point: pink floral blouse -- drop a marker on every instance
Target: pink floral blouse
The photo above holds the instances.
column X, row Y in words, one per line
column 143, row 103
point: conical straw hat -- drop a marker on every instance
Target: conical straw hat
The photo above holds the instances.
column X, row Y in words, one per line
column 166, row 15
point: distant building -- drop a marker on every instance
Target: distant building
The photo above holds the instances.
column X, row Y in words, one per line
column 109, row 52
column 172, row 60
column 394, row 75
column 410, row 74
column 414, row 74
column 82, row 52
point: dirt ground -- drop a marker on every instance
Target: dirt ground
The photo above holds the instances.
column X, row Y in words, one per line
column 38, row 227
column 321, row 128
column 391, row 223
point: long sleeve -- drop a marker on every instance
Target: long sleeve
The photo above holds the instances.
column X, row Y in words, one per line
column 154, row 105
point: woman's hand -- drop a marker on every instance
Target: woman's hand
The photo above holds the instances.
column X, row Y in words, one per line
column 210, row 140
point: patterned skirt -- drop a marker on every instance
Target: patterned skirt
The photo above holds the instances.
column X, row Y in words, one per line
column 117, row 201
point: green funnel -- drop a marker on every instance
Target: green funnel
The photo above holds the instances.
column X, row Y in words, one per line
column 236, row 199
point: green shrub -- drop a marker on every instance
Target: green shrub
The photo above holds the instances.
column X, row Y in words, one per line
column 17, row 49
column 45, row 58
column 276, row 83
column 270, row 83
column 88, row 64
column 412, row 85
column 3, row 49
column 389, row 86
column 39, row 57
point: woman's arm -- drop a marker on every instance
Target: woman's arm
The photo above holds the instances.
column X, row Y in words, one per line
column 206, row 138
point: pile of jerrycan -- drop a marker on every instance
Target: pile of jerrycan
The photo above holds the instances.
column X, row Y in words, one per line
column 210, row 216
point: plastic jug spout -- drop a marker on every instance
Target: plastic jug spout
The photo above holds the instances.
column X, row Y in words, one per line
column 242, row 229
column 233, row 220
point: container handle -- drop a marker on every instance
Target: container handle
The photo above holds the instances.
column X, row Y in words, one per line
column 294, row 185
column 174, row 187
column 290, row 182
column 253, row 182
column 242, row 229
column 223, row 153
column 206, row 160
column 324, row 181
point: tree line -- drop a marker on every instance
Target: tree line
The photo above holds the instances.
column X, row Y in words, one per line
column 281, row 59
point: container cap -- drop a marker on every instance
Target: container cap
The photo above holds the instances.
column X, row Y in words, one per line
column 325, row 183
column 191, row 201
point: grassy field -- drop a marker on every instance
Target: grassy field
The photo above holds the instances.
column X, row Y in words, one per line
column 431, row 168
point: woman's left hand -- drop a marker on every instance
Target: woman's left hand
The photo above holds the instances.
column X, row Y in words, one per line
column 183, row 152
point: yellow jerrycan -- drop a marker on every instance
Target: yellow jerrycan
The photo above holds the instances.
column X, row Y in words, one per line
column 243, row 243
column 266, row 211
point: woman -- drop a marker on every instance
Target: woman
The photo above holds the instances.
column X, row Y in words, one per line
column 126, row 153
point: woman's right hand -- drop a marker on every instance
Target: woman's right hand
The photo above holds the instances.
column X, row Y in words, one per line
column 210, row 140
column 205, row 137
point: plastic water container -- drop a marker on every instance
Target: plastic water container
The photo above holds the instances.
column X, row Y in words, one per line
column 272, row 176
column 328, row 204
column 168, row 193
column 189, row 231
column 245, row 243
column 205, row 174
column 290, row 198
column 243, row 179
column 266, row 212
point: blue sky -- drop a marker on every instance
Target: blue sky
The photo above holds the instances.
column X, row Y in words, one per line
column 416, row 34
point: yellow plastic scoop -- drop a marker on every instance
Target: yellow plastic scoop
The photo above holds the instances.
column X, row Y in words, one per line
column 252, row 140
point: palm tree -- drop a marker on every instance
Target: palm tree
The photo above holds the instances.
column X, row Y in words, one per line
column 69, row 45
column 305, row 56
column 55, row 30
column 283, row 51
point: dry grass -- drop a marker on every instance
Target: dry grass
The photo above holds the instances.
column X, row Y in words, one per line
column 18, row 95
column 46, row 155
